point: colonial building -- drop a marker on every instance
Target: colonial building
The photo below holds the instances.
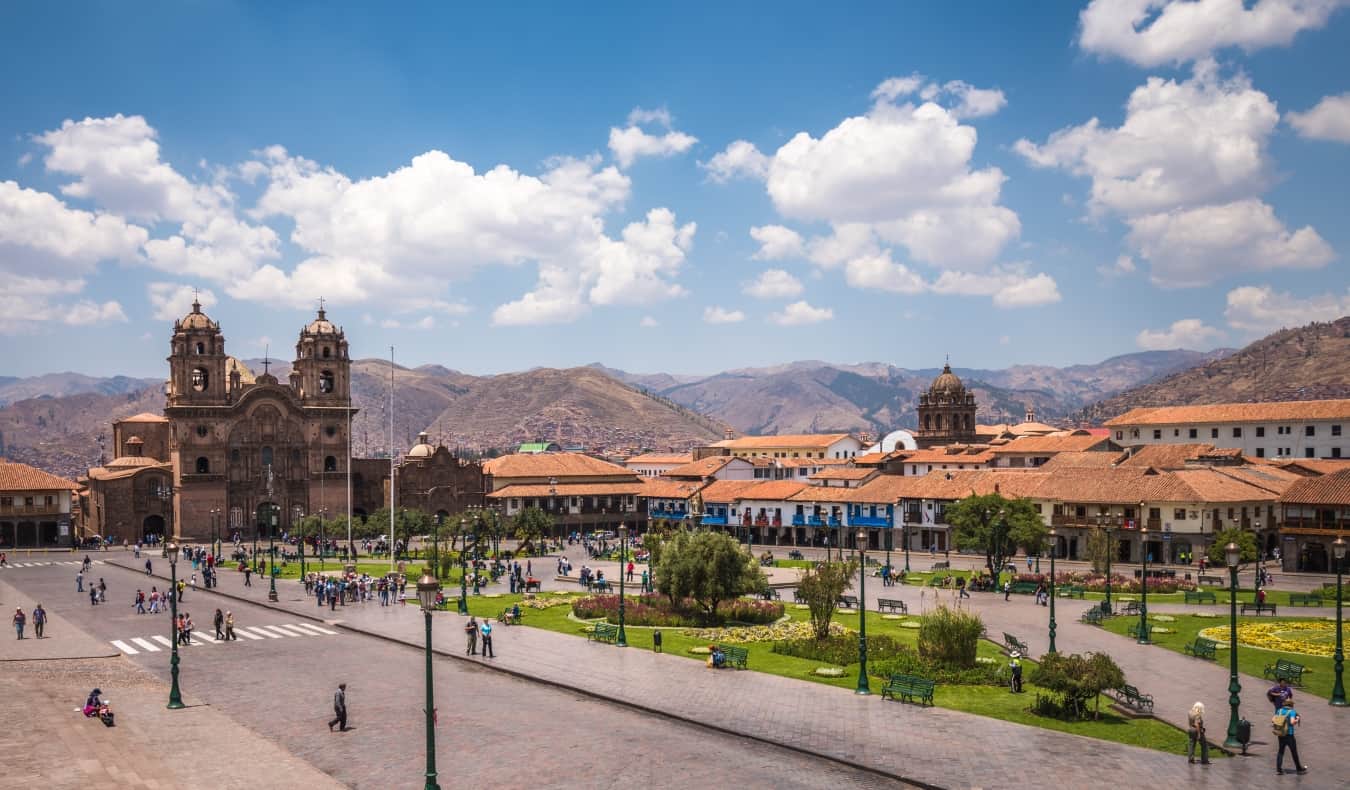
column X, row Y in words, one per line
column 1314, row 511
column 579, row 492
column 837, row 446
column 1289, row 429
column 436, row 481
column 946, row 412
column 35, row 508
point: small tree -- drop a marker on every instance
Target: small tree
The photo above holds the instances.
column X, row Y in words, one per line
column 950, row 637
column 530, row 525
column 821, row 586
column 1245, row 540
column 1098, row 548
column 707, row 567
column 996, row 526
column 1078, row 679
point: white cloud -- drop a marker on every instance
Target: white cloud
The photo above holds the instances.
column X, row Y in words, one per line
column 1182, row 144
column 1123, row 267
column 424, row 323
column 896, row 87
column 801, row 313
column 1010, row 286
column 973, row 102
column 718, row 315
column 1329, row 119
column 845, row 243
column 774, row 284
column 648, row 322
column 740, row 159
column 879, row 272
column 777, row 242
column 1196, row 247
column 170, row 301
column 1262, row 309
column 87, row 313
column 1189, row 333
column 42, row 236
column 631, row 142
column 1157, row 32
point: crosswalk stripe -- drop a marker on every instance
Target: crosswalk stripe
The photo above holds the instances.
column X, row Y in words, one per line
column 269, row 629
column 314, row 629
column 255, row 629
column 290, row 630
column 124, row 647
column 203, row 636
column 100, row 562
column 163, row 640
column 147, row 645
column 246, row 634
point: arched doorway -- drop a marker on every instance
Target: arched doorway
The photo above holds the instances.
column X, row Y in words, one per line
column 49, row 533
column 153, row 525
column 6, row 534
column 27, row 535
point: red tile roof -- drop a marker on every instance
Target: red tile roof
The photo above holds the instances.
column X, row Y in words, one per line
column 1234, row 412
column 551, row 465
column 1332, row 489
column 814, row 440
column 566, row 489
column 15, row 476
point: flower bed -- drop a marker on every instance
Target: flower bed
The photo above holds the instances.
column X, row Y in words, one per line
column 787, row 630
column 908, row 662
column 828, row 672
column 658, row 611
column 1309, row 637
column 543, row 603
column 838, row 649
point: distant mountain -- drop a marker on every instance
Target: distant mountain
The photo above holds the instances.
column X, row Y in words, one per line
column 1310, row 362
column 14, row 389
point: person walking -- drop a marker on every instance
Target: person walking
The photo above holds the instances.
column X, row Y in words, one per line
column 20, row 620
column 229, row 627
column 93, row 595
column 471, row 634
column 487, row 640
column 147, row 567
column 219, row 622
column 1195, row 731
column 1280, row 695
column 102, row 591
column 1007, row 590
column 1284, row 721
column 248, row 576
column 140, row 602
column 39, row 620
column 181, row 587
column 339, row 708
column 79, row 580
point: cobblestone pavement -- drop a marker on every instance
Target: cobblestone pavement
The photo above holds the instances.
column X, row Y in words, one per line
column 493, row 728
column 927, row 745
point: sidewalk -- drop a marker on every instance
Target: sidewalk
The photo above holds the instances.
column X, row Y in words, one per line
column 926, row 745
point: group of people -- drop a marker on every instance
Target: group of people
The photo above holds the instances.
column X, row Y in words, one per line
column 354, row 588
column 21, row 619
column 473, row 632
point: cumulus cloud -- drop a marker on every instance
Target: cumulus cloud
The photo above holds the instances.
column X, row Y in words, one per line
column 648, row 322
column 86, row 313
column 1262, row 309
column 774, row 284
column 740, row 159
column 801, row 313
column 1189, row 333
column 1194, row 247
column 170, row 301
column 1123, row 267
column 1157, row 32
column 719, row 315
column 879, row 272
column 42, row 236
column 1009, row 286
column 631, row 142
column 1329, row 119
column 777, row 242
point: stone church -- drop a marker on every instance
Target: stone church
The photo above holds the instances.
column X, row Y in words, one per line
column 946, row 412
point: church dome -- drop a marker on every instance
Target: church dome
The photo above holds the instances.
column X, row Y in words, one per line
column 423, row 448
column 196, row 319
column 321, row 325
column 947, row 382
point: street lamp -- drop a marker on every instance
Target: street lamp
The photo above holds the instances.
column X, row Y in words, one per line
column 622, row 641
column 1143, row 579
column 463, row 572
column 904, row 536
column 175, row 696
column 215, row 539
column 863, row 687
column 1232, row 554
column 427, row 587
column 272, row 555
column 1054, row 549
column 1104, row 522
column 1338, row 689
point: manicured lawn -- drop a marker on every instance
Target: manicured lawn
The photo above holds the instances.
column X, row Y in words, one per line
column 1317, row 677
column 794, row 564
column 993, row 701
column 377, row 568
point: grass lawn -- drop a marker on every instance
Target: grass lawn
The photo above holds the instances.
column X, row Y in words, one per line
column 1317, row 677
column 992, row 701
column 1280, row 597
column 291, row 570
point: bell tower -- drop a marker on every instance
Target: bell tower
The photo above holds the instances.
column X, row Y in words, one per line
column 196, row 361
column 322, row 370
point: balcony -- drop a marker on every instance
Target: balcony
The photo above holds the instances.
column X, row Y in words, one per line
column 913, row 516
column 668, row 515
column 1316, row 524
column 714, row 521
column 870, row 521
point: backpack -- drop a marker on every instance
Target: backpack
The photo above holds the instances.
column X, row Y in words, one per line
column 1279, row 723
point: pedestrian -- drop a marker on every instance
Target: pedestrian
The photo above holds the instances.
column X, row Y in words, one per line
column 487, row 640
column 339, row 708
column 229, row 627
column 194, row 582
column 147, row 566
column 630, row 570
column 471, row 634
column 1028, row 563
column 181, row 587
column 1195, row 731
column 93, row 595
column 20, row 619
column 154, row 600
column 1280, row 694
column 1007, row 590
column 1284, row 722
column 39, row 620
column 1015, row 672
column 102, row 591
column 219, row 622
column 79, row 580
column 248, row 576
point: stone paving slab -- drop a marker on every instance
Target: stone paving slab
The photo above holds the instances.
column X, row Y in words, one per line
column 60, row 640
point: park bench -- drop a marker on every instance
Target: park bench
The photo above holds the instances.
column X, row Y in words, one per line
column 941, row 566
column 1284, row 669
column 909, row 688
column 1093, row 616
column 771, row 594
column 1305, row 599
column 1013, row 643
column 1024, row 588
column 505, row 617
column 533, row 585
column 795, row 555
column 1201, row 648
column 1131, row 607
column 884, row 604
column 1132, row 697
column 848, row 602
column 604, row 632
column 599, row 585
column 1199, row 596
column 1134, row 630
column 1259, row 608
column 1217, row 581
column 1073, row 591
column 737, row 657
column 798, row 596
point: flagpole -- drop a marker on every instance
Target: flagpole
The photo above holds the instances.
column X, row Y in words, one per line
column 393, row 491
column 349, row 464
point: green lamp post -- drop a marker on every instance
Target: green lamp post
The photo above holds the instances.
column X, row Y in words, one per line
column 463, row 572
column 1338, row 689
column 904, row 536
column 1143, row 579
column 175, row 696
column 1054, row 549
column 622, row 640
column 272, row 555
column 1232, row 554
column 427, row 588
column 863, row 687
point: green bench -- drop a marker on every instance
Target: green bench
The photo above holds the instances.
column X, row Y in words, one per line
column 1131, row 607
column 1199, row 596
column 941, row 566
column 1132, row 697
column 1024, row 588
column 848, row 602
column 1093, row 616
column 1072, row 591
column 1201, row 648
column 737, row 657
column 909, row 688
column 1304, row 599
column 507, row 617
column 1148, row 630
column 604, row 632
column 1259, row 608
column 1013, row 643
column 1284, row 669
column 891, row 604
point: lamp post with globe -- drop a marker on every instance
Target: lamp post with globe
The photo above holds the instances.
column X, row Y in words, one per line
column 427, row 588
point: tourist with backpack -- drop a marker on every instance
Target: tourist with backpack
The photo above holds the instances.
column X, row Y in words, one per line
column 1283, row 723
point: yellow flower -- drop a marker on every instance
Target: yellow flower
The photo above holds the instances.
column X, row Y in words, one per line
column 1310, row 637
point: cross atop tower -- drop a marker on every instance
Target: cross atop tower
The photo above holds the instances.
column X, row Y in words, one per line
column 196, row 300
column 321, row 300
column 267, row 350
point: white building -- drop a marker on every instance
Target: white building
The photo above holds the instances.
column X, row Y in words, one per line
column 656, row 464
column 1288, row 429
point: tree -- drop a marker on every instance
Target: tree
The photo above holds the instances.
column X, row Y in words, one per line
column 821, row 586
column 707, row 567
column 997, row 527
column 1098, row 548
column 1245, row 540
column 1078, row 679
column 530, row 525
column 658, row 534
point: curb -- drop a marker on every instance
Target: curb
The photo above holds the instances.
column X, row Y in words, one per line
column 587, row 693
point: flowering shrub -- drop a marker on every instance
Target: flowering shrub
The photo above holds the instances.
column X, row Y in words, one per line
column 1310, row 637
column 657, row 610
column 760, row 633
column 543, row 603
column 838, row 649
column 908, row 662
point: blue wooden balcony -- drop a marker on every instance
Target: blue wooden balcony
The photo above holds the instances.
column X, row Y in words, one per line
column 715, row 521
column 870, row 521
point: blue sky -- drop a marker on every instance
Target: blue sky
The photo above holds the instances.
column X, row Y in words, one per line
column 688, row 190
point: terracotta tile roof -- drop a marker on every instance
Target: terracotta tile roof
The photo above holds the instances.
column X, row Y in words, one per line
column 726, row 491
column 823, row 494
column 1212, row 485
column 1094, row 459
column 815, row 440
column 704, row 467
column 566, row 489
column 1165, row 456
column 844, row 473
column 1031, row 428
column 1331, row 489
column 145, row 416
column 879, row 458
column 15, row 476
column 1270, row 478
column 660, row 458
column 1054, row 443
column 771, row 489
column 948, row 455
column 1317, row 466
column 661, row 488
column 551, row 465
column 797, row 463
column 1235, row 412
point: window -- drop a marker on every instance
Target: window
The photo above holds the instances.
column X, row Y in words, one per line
column 1237, row 433
column 202, row 431
column 330, row 463
column 1120, row 435
column 1335, row 430
column 1134, row 433
column 1260, row 452
column 1157, row 433
column 1260, row 431
column 326, row 381
column 326, row 352
column 203, row 466
column 1176, row 432
column 1154, row 513
column 267, row 456
column 201, row 348
column 1179, row 514
column 331, row 431
column 1194, row 433
column 200, row 379
column 1309, row 430
column 1335, row 452
column 1308, row 452
column 6, row 501
column 49, row 500
column 1213, row 433
column 27, row 501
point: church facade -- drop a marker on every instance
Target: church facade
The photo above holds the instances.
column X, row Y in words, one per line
column 946, row 412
